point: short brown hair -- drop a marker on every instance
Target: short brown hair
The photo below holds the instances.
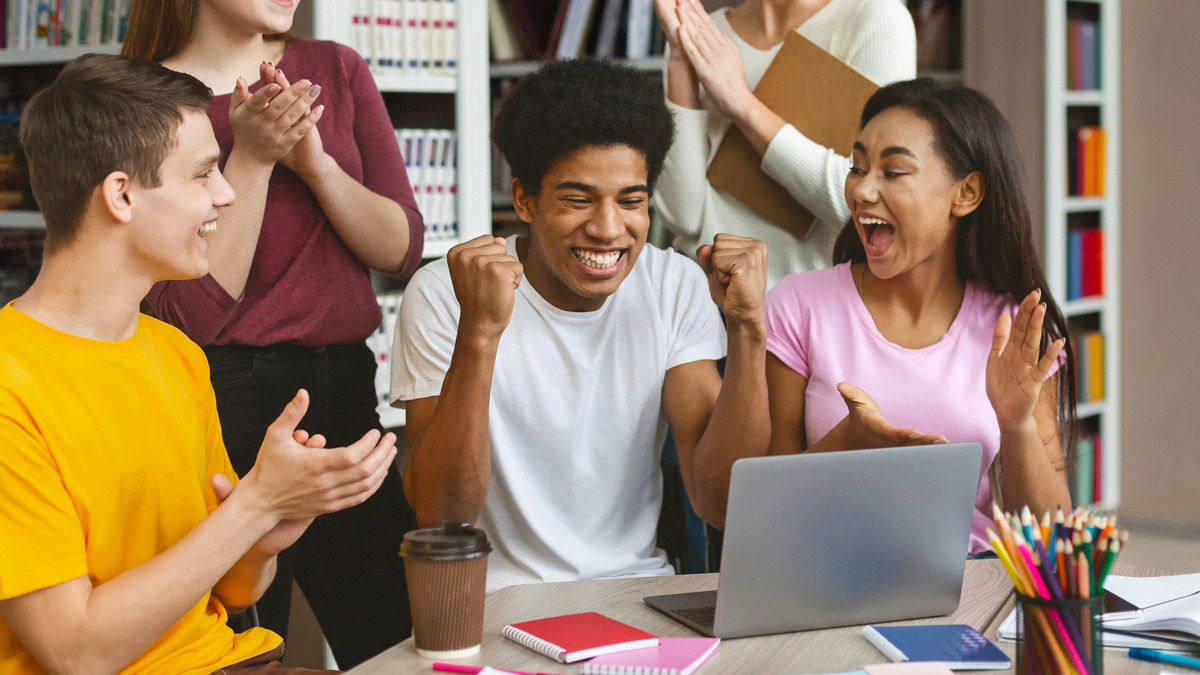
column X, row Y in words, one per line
column 103, row 113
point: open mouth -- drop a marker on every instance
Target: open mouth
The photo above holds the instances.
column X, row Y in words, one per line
column 878, row 232
column 210, row 226
column 602, row 261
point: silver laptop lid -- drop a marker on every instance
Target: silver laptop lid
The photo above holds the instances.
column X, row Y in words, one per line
column 845, row 538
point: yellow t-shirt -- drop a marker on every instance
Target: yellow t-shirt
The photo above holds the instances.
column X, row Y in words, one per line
column 106, row 449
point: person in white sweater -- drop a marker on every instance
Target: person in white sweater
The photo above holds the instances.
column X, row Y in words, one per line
column 713, row 64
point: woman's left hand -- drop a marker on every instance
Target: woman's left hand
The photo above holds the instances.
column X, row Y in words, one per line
column 307, row 157
column 714, row 57
column 1014, row 373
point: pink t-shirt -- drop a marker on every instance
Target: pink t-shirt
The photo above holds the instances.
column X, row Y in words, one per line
column 818, row 326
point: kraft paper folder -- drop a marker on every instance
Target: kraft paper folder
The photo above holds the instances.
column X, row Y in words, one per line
column 816, row 93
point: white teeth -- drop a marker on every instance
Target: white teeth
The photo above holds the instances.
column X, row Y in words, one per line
column 208, row 227
column 597, row 260
column 872, row 221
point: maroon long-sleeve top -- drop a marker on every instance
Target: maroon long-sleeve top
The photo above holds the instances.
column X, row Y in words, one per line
column 305, row 286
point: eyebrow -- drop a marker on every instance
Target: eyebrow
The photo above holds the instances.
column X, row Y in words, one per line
column 888, row 152
column 584, row 187
column 207, row 162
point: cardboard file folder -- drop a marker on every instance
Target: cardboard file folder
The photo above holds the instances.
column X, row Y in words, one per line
column 816, row 93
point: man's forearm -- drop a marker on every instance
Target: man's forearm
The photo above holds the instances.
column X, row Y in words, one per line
column 449, row 468
column 373, row 227
column 104, row 628
column 232, row 245
column 740, row 425
column 246, row 581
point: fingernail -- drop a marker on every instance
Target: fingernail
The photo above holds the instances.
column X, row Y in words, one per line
column 303, row 85
column 273, row 89
column 941, row 441
column 319, row 109
column 914, row 435
column 315, row 91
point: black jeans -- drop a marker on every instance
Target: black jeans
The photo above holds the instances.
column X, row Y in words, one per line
column 347, row 563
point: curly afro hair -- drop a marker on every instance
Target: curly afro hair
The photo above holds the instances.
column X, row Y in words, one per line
column 575, row 103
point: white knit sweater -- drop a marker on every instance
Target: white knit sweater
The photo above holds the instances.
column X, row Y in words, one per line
column 876, row 38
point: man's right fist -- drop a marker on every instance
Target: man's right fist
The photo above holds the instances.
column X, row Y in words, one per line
column 485, row 279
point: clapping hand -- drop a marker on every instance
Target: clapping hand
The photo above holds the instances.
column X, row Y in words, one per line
column 864, row 426
column 713, row 56
column 1014, row 372
column 268, row 124
column 308, row 154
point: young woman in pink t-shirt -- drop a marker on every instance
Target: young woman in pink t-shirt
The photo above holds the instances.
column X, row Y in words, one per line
column 916, row 334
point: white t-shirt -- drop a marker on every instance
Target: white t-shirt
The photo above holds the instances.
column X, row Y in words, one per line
column 576, row 423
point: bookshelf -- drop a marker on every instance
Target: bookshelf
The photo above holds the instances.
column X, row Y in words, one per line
column 51, row 55
column 1067, row 107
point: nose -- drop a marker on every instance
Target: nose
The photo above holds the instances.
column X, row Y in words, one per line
column 606, row 224
column 863, row 188
column 223, row 194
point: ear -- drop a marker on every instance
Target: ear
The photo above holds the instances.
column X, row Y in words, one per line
column 970, row 194
column 116, row 194
column 523, row 202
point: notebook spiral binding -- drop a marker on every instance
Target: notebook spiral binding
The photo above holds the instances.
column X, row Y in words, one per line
column 625, row 670
column 536, row 644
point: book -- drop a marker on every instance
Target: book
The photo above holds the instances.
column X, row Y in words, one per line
column 958, row 646
column 822, row 98
column 574, row 29
column 672, row 656
column 505, row 44
column 574, row 637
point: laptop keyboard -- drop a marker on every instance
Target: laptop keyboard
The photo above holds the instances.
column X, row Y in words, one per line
column 704, row 616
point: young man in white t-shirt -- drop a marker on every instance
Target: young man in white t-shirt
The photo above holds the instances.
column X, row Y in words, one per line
column 540, row 373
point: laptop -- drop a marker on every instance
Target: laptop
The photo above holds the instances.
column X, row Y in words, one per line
column 839, row 539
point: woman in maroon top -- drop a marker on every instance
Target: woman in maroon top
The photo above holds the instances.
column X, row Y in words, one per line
column 322, row 196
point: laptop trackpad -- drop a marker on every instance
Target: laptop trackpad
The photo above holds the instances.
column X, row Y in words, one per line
column 697, row 610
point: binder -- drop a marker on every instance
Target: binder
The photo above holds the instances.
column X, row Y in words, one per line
column 822, row 98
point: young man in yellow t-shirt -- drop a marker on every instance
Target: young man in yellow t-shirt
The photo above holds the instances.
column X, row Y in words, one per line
column 124, row 541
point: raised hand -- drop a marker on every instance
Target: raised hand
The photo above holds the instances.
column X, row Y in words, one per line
column 1014, row 372
column 865, row 427
column 296, row 478
column 714, row 58
column 668, row 18
column 269, row 123
column 308, row 155
column 485, row 279
column 737, row 275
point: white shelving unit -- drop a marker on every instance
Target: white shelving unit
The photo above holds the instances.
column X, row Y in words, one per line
column 50, row 55
column 1106, row 102
column 331, row 20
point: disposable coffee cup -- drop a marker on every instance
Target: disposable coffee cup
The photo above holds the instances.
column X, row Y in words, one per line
column 447, row 577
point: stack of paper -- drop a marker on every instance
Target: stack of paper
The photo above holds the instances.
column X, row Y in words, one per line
column 1169, row 620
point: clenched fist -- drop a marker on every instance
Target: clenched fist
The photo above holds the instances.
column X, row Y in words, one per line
column 737, row 275
column 485, row 279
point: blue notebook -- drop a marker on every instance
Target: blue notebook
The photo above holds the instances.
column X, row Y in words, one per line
column 958, row 646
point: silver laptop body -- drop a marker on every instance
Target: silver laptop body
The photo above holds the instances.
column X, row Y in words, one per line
column 839, row 539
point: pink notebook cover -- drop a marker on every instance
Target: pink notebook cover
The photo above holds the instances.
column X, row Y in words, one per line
column 672, row 656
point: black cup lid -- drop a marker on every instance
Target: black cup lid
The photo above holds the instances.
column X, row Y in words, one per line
column 451, row 541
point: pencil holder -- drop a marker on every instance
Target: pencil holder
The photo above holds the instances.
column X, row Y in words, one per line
column 1059, row 637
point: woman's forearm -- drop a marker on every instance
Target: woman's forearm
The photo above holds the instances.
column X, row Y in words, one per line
column 373, row 227
column 232, row 245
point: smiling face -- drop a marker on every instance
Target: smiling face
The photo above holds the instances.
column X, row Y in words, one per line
column 903, row 199
column 588, row 225
column 169, row 222
column 268, row 17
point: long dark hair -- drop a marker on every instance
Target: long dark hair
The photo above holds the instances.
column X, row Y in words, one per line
column 995, row 242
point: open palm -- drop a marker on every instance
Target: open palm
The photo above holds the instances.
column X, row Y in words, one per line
column 1014, row 372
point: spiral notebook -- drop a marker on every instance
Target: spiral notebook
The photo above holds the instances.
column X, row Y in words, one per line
column 672, row 656
column 958, row 646
column 574, row 637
